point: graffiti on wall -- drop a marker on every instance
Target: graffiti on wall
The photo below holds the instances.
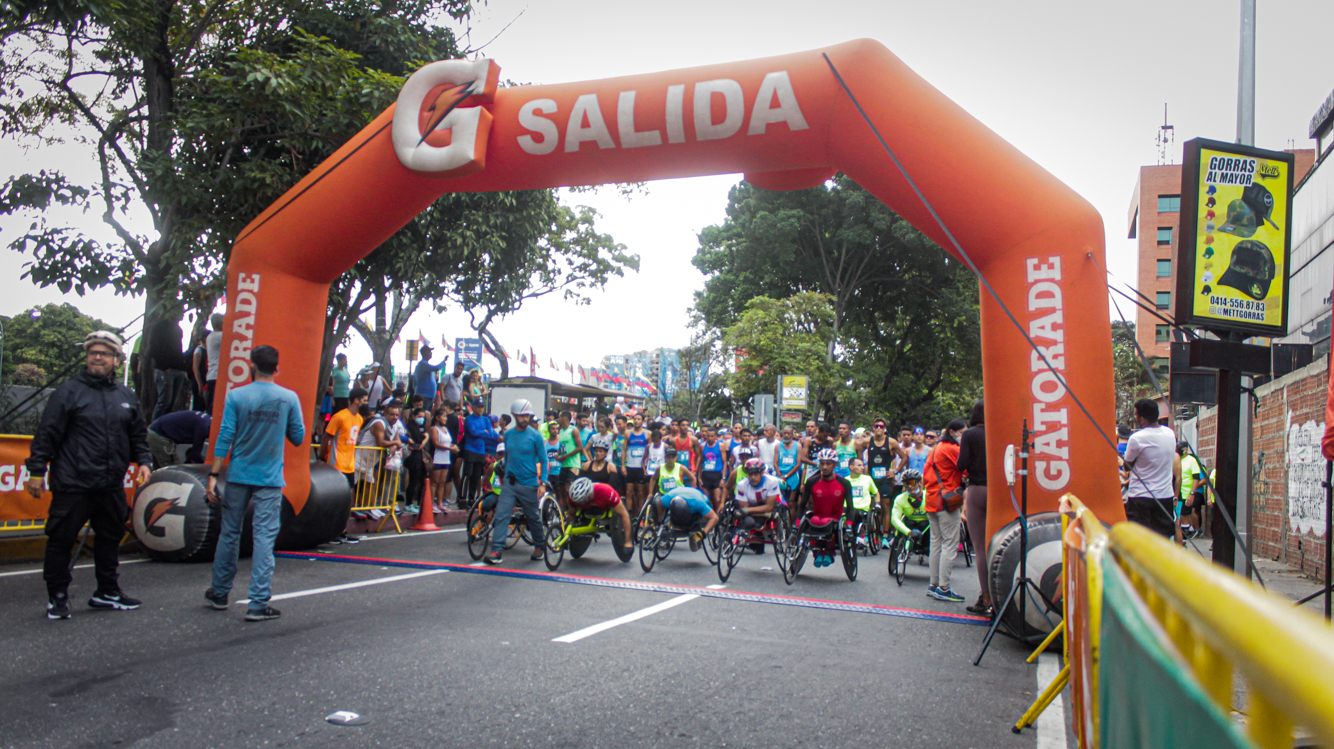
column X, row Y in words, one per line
column 1306, row 474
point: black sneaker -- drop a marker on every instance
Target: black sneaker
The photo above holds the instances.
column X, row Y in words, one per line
column 57, row 606
column 978, row 608
column 263, row 615
column 335, row 541
column 493, row 558
column 113, row 600
column 350, row 539
column 215, row 602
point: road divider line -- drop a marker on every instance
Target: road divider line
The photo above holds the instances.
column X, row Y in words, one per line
column 411, row 534
column 1051, row 723
column 77, row 567
column 633, row 616
column 603, row 582
column 348, row 586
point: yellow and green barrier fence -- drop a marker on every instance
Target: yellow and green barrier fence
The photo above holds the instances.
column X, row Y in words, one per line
column 1155, row 635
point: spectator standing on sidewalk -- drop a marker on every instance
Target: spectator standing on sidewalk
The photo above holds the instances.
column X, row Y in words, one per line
column 416, row 458
column 973, row 462
column 206, row 361
column 1152, row 472
column 169, row 366
column 426, row 377
column 944, row 505
column 255, row 419
column 341, row 382
column 90, row 432
column 451, row 387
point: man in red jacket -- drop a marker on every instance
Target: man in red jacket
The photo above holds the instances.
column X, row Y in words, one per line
column 944, row 490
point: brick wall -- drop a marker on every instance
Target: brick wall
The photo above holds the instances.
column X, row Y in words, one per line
column 1291, row 416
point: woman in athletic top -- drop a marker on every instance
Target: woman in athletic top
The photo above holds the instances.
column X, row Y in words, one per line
column 599, row 469
column 655, row 456
column 443, row 450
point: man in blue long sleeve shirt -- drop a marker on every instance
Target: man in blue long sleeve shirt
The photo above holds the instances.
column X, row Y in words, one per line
column 255, row 420
column 526, row 468
column 476, row 430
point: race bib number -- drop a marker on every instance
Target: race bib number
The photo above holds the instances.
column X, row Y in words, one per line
column 636, row 452
column 879, row 472
column 844, row 460
column 711, row 463
column 667, row 484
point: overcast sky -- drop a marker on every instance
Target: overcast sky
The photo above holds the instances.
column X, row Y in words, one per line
column 1079, row 87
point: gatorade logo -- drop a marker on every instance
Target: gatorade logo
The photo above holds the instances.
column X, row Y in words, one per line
column 432, row 130
column 159, row 515
column 1046, row 326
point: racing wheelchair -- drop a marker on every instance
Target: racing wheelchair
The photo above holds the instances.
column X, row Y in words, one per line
column 481, row 523
column 657, row 536
column 732, row 536
column 834, row 536
column 577, row 531
column 903, row 548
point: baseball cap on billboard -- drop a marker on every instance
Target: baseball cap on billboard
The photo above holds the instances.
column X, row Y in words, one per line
column 1251, row 269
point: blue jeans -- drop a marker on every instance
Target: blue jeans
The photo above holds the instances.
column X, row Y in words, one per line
column 268, row 515
column 509, row 495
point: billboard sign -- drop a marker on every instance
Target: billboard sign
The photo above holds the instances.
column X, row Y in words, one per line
column 1232, row 255
column 792, row 389
column 468, row 351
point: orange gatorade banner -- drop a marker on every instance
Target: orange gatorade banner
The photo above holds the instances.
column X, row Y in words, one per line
column 15, row 501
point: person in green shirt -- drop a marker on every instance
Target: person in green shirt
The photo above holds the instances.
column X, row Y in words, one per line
column 908, row 516
column 1192, row 491
column 865, row 494
column 571, row 450
column 340, row 383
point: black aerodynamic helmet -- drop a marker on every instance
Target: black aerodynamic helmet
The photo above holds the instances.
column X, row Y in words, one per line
column 1251, row 269
column 679, row 511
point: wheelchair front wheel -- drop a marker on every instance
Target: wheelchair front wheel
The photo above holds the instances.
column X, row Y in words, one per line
column 847, row 550
column 553, row 525
column 479, row 532
column 579, row 545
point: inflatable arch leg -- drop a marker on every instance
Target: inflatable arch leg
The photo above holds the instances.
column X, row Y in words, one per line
column 784, row 122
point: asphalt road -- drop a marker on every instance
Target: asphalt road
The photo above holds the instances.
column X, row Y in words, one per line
column 444, row 653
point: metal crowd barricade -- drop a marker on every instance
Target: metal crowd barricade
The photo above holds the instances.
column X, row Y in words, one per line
column 1154, row 636
column 1222, row 624
column 376, row 486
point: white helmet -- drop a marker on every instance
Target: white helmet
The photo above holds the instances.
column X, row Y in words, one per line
column 522, row 407
column 581, row 490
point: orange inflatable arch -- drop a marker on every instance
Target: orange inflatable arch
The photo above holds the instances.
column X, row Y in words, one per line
column 785, row 123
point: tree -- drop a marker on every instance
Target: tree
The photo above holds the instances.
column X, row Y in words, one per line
column 905, row 321
column 204, row 114
column 785, row 336
column 47, row 338
column 1131, row 380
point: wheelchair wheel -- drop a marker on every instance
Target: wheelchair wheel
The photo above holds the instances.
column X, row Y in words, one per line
column 847, row 550
column 553, row 525
column 617, row 535
column 712, row 541
column 579, row 544
column 666, row 541
column 782, row 530
column 967, row 542
column 799, row 548
column 873, row 531
column 726, row 557
column 648, row 549
column 900, row 552
column 643, row 526
column 479, row 532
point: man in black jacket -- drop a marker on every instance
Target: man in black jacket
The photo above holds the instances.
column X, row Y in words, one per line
column 90, row 432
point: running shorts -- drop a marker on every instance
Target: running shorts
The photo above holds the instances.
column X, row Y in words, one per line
column 710, row 480
column 635, row 476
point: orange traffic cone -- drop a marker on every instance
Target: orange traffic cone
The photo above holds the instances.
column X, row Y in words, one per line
column 426, row 517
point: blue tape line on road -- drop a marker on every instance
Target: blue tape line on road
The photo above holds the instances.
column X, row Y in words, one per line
column 602, row 582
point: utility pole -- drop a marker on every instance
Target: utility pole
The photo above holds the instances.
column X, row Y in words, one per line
column 1245, row 136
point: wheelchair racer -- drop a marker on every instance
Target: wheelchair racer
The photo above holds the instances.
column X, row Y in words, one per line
column 756, row 496
column 826, row 498
column 688, row 509
column 586, row 495
column 908, row 516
